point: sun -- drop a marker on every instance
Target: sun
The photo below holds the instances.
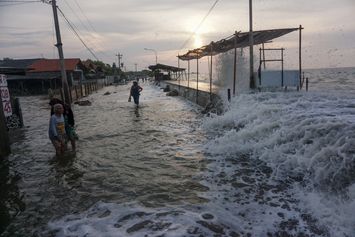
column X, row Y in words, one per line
column 197, row 41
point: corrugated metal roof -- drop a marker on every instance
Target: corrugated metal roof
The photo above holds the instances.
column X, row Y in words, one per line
column 53, row 65
column 165, row 68
column 18, row 63
column 240, row 40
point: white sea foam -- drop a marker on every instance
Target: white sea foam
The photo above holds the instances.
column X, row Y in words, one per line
column 309, row 137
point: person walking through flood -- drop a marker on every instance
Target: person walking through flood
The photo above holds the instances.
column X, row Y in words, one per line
column 56, row 129
column 69, row 121
column 69, row 126
column 135, row 92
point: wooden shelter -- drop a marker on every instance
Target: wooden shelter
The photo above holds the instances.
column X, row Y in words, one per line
column 237, row 40
column 158, row 70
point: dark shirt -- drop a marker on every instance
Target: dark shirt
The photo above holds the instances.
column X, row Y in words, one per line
column 135, row 90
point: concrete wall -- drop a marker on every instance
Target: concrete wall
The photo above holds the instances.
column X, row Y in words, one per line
column 199, row 97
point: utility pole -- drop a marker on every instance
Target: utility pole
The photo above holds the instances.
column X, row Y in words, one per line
column 156, row 54
column 135, row 65
column 59, row 45
column 119, row 56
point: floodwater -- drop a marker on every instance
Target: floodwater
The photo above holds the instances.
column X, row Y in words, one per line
column 149, row 155
column 274, row 164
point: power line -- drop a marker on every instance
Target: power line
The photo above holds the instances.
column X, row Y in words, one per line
column 95, row 40
column 199, row 25
column 82, row 12
column 76, row 33
column 76, row 16
column 15, row 3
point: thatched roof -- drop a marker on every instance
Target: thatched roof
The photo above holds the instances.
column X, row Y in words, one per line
column 238, row 40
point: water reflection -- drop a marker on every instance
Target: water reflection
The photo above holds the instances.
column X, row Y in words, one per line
column 136, row 111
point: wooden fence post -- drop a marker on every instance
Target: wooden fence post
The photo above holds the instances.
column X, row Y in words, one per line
column 4, row 135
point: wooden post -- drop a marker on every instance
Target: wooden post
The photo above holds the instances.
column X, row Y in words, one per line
column 4, row 136
column 188, row 73
column 235, row 62
column 211, row 72
column 251, row 45
column 282, row 67
column 300, row 54
column 197, row 82
column 263, row 46
column 179, row 74
column 42, row 82
column 259, row 69
column 76, row 92
column 70, row 95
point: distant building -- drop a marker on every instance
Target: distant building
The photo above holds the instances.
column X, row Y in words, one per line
column 92, row 70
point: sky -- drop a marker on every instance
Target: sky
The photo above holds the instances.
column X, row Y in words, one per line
column 127, row 27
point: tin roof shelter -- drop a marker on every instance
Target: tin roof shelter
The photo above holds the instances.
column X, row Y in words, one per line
column 159, row 68
column 238, row 40
column 164, row 67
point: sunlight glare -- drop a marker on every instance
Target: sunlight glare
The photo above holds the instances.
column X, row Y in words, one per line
column 197, row 41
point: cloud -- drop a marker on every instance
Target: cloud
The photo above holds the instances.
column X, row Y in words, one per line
column 128, row 26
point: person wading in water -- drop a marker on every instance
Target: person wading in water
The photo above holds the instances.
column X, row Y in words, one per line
column 135, row 92
column 56, row 129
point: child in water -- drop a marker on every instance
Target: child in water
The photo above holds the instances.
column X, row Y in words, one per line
column 68, row 120
column 56, row 129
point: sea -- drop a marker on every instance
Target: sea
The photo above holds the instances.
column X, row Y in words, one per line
column 275, row 163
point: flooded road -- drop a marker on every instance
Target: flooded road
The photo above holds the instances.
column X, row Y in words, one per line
column 149, row 155
column 165, row 170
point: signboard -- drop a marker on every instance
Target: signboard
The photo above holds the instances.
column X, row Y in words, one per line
column 3, row 81
column 6, row 105
column 5, row 96
column 274, row 78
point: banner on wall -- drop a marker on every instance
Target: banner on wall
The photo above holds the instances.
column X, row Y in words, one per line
column 5, row 96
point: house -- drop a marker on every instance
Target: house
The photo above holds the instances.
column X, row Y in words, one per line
column 50, row 69
column 40, row 74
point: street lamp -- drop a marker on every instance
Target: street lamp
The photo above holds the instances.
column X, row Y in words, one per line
column 156, row 54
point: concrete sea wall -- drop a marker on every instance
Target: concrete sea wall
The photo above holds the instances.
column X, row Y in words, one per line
column 200, row 97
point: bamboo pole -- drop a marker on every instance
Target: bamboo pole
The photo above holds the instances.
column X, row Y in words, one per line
column 300, row 54
column 211, row 73
column 235, row 63
column 197, row 82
